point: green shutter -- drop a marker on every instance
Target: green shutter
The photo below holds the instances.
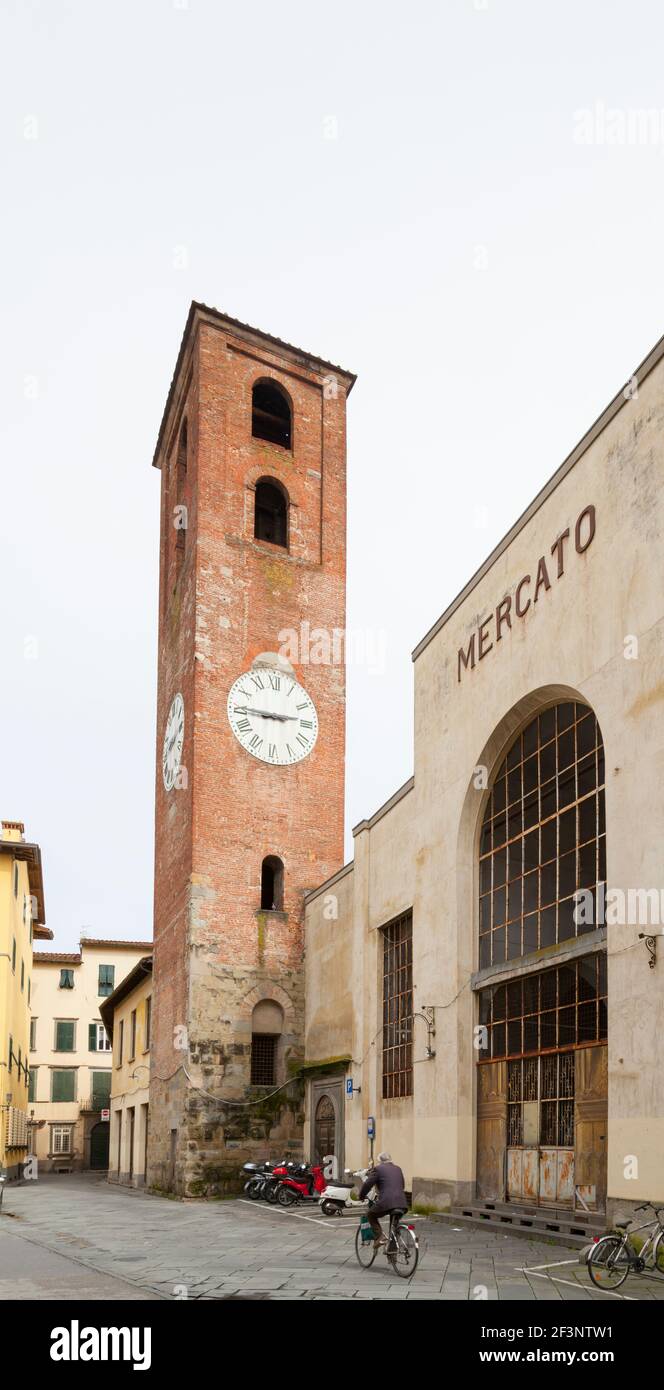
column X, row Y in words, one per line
column 63, row 1085
column 101, row 1089
column 64, row 1035
column 32, row 1088
column 92, row 1037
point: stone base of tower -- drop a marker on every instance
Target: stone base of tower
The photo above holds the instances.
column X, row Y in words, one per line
column 207, row 1119
column 198, row 1145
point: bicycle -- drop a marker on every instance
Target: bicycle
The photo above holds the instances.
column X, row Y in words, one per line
column 613, row 1257
column 402, row 1248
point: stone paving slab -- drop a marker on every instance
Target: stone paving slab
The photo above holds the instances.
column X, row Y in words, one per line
column 236, row 1249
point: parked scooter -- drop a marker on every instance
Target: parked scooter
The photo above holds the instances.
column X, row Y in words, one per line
column 305, row 1184
column 257, row 1176
column 336, row 1195
column 273, row 1180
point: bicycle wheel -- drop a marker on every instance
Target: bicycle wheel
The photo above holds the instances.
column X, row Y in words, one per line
column 365, row 1250
column 403, row 1251
column 658, row 1253
column 608, row 1263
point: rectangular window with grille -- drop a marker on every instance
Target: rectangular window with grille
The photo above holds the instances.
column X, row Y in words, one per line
column 263, row 1059
column 61, row 1139
column 552, row 1009
column 398, row 1007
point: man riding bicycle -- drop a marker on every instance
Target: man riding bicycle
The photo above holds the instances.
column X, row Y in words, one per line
column 389, row 1180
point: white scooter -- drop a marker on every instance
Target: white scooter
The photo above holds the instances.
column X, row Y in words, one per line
column 336, row 1195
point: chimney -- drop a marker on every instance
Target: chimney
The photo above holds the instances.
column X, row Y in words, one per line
column 13, row 830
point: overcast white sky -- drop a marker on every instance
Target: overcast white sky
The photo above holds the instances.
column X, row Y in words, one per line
column 492, row 280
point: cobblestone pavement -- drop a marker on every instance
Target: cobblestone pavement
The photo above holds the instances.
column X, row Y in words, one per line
column 175, row 1250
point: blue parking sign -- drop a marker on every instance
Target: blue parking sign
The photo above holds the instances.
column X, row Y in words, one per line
column 349, row 1085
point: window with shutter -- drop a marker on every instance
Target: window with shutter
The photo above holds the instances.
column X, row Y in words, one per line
column 106, row 979
column 101, row 1090
column 63, row 1085
column 32, row 1088
column 66, row 979
column 65, row 1030
column 92, row 1037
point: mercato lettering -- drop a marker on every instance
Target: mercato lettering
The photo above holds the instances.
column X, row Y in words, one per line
column 528, row 590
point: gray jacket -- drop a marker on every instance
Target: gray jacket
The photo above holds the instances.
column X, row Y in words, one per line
column 390, row 1182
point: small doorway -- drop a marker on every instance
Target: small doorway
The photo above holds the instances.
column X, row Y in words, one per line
column 327, row 1128
column 99, row 1137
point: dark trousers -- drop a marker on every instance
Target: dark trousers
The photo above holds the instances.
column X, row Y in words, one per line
column 372, row 1217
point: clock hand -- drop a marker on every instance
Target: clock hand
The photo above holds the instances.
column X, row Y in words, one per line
column 267, row 714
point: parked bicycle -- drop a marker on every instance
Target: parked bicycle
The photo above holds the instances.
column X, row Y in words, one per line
column 402, row 1247
column 613, row 1256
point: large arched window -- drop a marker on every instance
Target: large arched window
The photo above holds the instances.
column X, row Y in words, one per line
column 271, row 416
column 271, row 512
column 543, row 836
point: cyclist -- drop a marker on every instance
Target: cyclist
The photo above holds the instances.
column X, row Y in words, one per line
column 389, row 1180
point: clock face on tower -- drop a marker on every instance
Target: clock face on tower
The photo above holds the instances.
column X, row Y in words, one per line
column 272, row 716
column 173, row 743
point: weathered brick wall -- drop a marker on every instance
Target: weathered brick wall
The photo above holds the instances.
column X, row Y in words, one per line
column 216, row 953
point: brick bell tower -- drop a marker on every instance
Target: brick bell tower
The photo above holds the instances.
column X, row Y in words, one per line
column 250, row 737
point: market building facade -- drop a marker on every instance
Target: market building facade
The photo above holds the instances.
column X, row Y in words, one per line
column 487, row 972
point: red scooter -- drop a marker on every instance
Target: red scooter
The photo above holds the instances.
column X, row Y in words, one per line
column 304, row 1184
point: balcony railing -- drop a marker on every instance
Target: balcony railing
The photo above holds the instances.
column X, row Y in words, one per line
column 94, row 1103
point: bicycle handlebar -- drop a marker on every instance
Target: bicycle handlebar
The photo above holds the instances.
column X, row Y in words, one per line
column 645, row 1205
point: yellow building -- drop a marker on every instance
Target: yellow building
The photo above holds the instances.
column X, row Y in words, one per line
column 127, row 1017
column 21, row 919
column 70, row 1053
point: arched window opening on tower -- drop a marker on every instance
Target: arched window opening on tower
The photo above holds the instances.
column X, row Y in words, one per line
column 267, row 1025
column 271, row 514
column 271, row 417
column 180, row 517
column 272, row 884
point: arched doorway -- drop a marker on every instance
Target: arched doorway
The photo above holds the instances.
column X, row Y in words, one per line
column 542, row 1068
column 325, row 1129
column 99, row 1137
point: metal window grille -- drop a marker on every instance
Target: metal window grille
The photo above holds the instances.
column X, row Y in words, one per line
column 543, row 836
column 263, row 1059
column 398, row 1007
column 549, row 1080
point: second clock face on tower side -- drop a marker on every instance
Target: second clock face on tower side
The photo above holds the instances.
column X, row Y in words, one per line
column 272, row 716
